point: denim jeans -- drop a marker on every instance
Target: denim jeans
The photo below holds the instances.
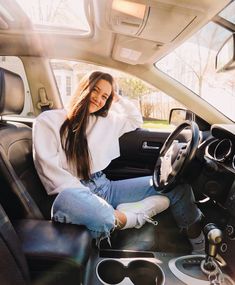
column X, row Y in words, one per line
column 94, row 208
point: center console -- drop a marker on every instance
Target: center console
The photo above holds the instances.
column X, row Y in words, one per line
column 139, row 268
column 130, row 271
column 107, row 267
column 130, row 267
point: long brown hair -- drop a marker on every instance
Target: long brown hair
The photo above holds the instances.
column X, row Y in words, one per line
column 73, row 130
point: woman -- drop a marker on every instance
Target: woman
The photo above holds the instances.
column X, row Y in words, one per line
column 72, row 147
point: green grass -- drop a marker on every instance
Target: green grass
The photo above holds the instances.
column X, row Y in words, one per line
column 158, row 124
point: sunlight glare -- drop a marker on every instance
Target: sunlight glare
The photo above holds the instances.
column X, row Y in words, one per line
column 61, row 13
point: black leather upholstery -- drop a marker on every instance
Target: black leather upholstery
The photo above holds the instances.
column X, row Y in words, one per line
column 56, row 253
column 20, row 176
column 23, row 186
column 12, row 93
column 13, row 266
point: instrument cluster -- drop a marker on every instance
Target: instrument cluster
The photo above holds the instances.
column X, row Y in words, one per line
column 222, row 151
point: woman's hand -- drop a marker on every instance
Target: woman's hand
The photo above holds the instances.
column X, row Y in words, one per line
column 116, row 97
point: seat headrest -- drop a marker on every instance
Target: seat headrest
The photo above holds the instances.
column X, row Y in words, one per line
column 11, row 93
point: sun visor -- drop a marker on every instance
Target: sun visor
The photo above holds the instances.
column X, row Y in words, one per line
column 165, row 22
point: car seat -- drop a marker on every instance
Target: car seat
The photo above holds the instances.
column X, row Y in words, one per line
column 23, row 194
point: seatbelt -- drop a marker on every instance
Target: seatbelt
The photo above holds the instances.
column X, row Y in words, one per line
column 44, row 104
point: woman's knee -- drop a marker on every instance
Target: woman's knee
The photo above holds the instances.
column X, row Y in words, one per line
column 93, row 220
column 82, row 208
column 71, row 197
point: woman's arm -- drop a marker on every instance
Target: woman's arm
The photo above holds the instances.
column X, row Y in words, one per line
column 48, row 159
column 128, row 116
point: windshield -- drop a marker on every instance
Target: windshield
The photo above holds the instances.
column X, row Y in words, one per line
column 193, row 64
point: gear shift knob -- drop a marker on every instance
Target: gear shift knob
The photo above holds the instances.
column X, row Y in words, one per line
column 213, row 236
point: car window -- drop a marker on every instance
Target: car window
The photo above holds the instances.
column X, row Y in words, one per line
column 15, row 65
column 154, row 104
column 193, row 64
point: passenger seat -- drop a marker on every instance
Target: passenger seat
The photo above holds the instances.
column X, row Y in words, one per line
column 13, row 265
column 56, row 253
column 23, row 195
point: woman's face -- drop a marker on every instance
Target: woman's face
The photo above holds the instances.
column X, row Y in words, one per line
column 99, row 95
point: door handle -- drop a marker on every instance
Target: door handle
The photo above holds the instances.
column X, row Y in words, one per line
column 148, row 147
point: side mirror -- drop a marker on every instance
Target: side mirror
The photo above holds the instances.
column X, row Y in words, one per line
column 178, row 116
column 225, row 58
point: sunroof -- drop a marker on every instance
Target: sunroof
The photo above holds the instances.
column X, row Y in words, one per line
column 57, row 14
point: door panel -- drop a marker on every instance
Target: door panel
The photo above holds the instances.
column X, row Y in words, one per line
column 139, row 152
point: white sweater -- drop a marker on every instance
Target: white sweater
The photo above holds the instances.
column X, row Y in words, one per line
column 103, row 135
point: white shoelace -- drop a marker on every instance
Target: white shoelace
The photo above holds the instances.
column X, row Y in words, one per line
column 150, row 220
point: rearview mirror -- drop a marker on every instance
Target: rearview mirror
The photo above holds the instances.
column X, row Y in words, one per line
column 225, row 58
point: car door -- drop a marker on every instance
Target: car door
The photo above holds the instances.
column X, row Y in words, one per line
column 139, row 152
column 139, row 149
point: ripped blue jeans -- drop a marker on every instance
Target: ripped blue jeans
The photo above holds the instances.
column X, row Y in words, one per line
column 94, row 208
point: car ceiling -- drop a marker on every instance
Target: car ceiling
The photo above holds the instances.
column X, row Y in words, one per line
column 116, row 36
column 104, row 46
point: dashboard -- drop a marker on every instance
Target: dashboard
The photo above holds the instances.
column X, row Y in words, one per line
column 217, row 181
column 220, row 154
column 216, row 154
column 222, row 149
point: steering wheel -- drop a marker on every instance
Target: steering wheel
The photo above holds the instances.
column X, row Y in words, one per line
column 174, row 157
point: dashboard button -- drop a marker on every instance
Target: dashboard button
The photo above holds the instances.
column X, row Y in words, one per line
column 223, row 247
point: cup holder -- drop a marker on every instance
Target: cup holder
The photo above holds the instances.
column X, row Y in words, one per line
column 137, row 272
column 145, row 272
column 111, row 271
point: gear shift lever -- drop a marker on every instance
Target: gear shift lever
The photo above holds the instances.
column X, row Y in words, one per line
column 195, row 269
column 213, row 237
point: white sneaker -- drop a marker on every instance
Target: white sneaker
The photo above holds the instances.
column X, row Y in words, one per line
column 144, row 210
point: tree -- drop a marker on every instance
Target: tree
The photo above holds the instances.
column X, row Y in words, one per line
column 48, row 11
column 201, row 54
column 56, row 12
column 133, row 87
column 147, row 109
